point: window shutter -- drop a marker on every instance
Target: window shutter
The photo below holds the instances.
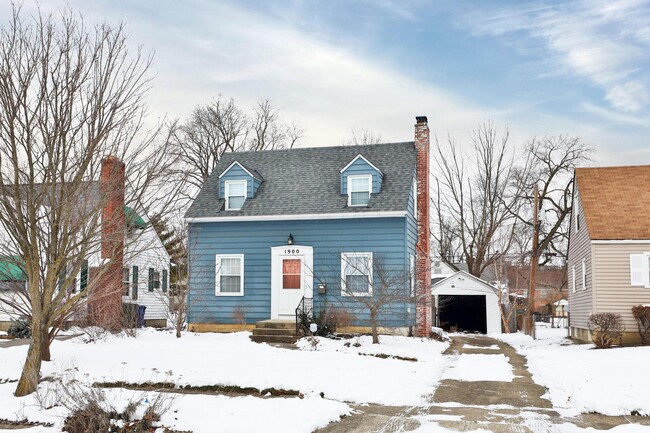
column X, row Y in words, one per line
column 151, row 279
column 636, row 270
column 134, row 289
column 83, row 279
column 164, row 280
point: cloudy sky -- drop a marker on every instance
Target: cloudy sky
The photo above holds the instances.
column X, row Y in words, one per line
column 579, row 68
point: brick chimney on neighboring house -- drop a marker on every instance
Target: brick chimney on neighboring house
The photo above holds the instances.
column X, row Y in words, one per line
column 423, row 320
column 106, row 304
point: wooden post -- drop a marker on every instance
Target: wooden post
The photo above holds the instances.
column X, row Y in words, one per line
column 530, row 320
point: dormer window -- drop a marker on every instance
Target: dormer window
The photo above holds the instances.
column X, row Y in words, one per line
column 235, row 194
column 359, row 188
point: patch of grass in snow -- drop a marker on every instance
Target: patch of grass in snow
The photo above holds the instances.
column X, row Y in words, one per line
column 10, row 425
column 384, row 356
column 202, row 389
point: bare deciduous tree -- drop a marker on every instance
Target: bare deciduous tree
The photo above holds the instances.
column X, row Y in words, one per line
column 70, row 96
column 219, row 127
column 380, row 289
column 473, row 201
column 550, row 162
column 269, row 132
column 362, row 137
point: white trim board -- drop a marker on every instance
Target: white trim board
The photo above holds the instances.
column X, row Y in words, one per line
column 298, row 217
column 624, row 241
column 367, row 162
column 242, row 167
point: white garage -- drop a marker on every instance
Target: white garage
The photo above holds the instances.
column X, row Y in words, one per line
column 464, row 303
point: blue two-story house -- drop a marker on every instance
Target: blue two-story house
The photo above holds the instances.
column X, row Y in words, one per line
column 327, row 224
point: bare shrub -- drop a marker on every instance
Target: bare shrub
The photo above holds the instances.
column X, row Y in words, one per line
column 641, row 314
column 340, row 318
column 239, row 314
column 90, row 410
column 606, row 329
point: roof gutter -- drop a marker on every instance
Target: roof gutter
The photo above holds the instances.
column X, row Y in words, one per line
column 299, row 217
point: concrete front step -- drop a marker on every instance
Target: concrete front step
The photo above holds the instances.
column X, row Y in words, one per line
column 275, row 331
column 277, row 324
column 274, row 338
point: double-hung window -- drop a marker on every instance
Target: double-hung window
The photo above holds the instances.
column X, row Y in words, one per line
column 640, row 269
column 356, row 274
column 230, row 275
column 235, row 194
column 359, row 188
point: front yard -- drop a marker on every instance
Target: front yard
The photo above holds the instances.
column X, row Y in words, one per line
column 583, row 379
column 226, row 383
column 327, row 375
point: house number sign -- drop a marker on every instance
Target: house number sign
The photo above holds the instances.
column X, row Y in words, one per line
column 292, row 251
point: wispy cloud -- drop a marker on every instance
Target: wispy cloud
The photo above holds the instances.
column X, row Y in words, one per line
column 607, row 42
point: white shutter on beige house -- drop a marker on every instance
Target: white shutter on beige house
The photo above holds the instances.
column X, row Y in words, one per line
column 637, row 276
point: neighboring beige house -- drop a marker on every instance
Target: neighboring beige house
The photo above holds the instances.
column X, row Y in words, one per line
column 609, row 246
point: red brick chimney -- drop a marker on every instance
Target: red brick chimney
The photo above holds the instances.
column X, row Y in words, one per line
column 107, row 293
column 423, row 320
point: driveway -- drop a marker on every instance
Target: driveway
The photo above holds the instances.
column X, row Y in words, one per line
column 516, row 406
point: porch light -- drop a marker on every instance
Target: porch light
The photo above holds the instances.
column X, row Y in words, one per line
column 313, row 328
column 290, row 239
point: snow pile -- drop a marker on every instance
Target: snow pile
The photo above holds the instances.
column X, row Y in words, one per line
column 474, row 368
column 580, row 378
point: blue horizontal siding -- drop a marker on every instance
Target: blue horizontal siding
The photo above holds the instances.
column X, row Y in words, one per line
column 384, row 237
column 360, row 167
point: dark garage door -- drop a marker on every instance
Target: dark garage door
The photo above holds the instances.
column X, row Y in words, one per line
column 462, row 313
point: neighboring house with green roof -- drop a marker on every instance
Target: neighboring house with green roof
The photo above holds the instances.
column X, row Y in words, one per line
column 145, row 275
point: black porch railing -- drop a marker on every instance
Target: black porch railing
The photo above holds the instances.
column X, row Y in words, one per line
column 304, row 315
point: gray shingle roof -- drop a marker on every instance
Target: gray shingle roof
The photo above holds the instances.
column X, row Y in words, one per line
column 308, row 181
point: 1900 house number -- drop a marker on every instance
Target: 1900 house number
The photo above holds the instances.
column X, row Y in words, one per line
column 292, row 251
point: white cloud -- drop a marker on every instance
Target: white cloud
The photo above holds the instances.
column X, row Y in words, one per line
column 206, row 48
column 607, row 42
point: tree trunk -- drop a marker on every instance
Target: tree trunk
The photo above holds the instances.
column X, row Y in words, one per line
column 45, row 349
column 179, row 325
column 373, row 327
column 31, row 370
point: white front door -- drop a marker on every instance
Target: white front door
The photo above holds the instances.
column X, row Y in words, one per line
column 291, row 278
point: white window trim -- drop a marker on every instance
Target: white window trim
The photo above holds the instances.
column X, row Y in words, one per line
column 359, row 176
column 226, row 188
column 217, row 274
column 584, row 275
column 644, row 269
column 344, row 262
column 573, row 278
column 360, row 156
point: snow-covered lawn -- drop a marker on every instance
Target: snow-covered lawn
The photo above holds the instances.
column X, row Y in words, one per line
column 333, row 369
column 580, row 378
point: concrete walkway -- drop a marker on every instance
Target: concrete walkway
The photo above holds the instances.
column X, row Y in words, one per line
column 26, row 341
column 499, row 407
